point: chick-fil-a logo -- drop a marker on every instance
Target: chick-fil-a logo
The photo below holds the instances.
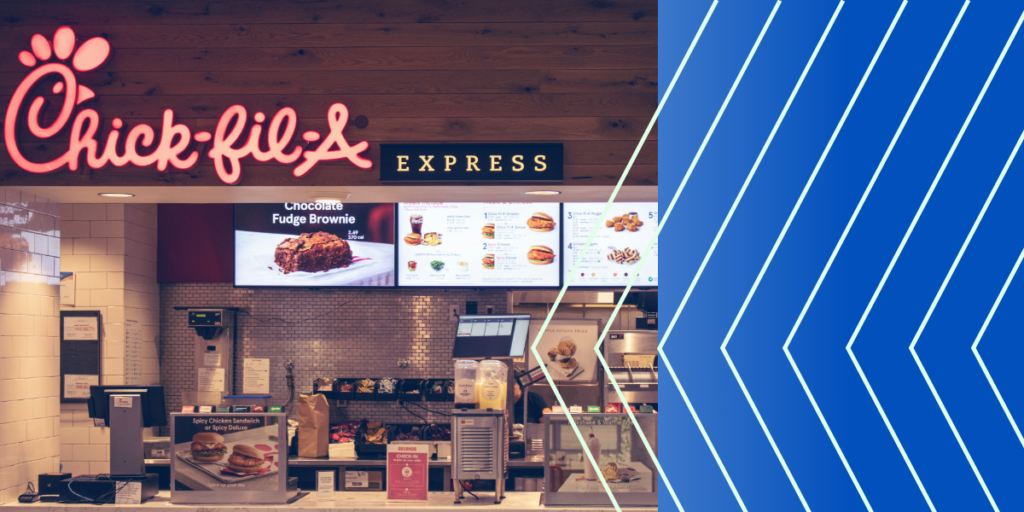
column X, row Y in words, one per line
column 141, row 147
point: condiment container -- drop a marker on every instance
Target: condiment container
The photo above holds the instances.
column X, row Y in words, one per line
column 465, row 382
column 491, row 385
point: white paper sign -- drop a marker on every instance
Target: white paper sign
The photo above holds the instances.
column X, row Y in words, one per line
column 67, row 288
column 81, row 328
column 211, row 359
column 357, row 479
column 77, row 386
column 129, row 493
column 123, row 401
column 211, row 379
column 256, row 380
column 325, row 485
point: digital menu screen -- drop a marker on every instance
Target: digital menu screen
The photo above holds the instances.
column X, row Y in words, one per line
column 614, row 255
column 315, row 244
column 481, row 336
column 478, row 245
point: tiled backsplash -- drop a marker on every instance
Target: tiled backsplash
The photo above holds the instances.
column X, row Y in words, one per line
column 29, row 342
column 327, row 333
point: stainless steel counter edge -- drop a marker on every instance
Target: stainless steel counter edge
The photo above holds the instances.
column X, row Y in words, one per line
column 359, row 501
column 534, row 461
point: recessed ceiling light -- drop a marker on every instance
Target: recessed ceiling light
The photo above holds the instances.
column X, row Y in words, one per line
column 115, row 194
column 328, row 196
column 543, row 193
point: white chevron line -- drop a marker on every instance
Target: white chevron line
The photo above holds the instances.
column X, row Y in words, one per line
column 935, row 301
column 853, row 218
column 977, row 340
column 661, row 224
column 718, row 236
column 903, row 243
column 785, row 229
column 579, row 259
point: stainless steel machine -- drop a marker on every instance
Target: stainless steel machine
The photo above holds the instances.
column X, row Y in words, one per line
column 213, row 355
column 479, row 449
column 632, row 357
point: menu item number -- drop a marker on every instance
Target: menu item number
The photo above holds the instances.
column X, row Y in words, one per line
column 625, row 256
column 540, row 255
column 628, row 222
column 489, row 230
column 540, row 222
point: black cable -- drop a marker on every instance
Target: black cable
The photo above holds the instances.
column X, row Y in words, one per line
column 425, row 422
column 429, row 410
column 258, row 319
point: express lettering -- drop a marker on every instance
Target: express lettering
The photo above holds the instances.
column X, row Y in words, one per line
column 472, row 163
column 142, row 147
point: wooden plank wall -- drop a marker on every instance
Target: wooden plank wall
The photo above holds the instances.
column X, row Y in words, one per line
column 583, row 73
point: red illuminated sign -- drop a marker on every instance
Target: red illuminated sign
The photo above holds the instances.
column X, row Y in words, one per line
column 142, row 147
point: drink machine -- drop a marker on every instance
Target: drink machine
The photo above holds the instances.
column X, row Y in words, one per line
column 213, row 351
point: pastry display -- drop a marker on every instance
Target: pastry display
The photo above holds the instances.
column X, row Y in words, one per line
column 569, row 364
column 540, row 222
column 312, row 252
column 540, row 255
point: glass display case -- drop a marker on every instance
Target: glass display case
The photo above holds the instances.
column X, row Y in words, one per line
column 623, row 460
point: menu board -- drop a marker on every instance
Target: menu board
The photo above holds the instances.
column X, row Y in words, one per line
column 612, row 258
column 478, row 244
column 315, row 244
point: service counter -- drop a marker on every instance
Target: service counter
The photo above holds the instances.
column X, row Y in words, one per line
column 360, row 501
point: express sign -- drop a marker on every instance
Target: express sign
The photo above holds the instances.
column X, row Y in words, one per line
column 142, row 147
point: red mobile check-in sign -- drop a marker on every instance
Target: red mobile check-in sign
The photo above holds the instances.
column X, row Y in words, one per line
column 407, row 472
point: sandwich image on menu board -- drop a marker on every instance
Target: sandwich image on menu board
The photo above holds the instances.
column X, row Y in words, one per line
column 314, row 244
column 516, row 244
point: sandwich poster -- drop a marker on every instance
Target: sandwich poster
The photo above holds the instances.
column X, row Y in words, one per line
column 227, row 453
column 315, row 244
column 479, row 244
column 567, row 348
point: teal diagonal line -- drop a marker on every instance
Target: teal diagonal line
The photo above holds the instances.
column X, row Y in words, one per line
column 903, row 243
column 977, row 355
column 785, row 228
column 931, row 309
column 853, row 218
column 579, row 259
column 661, row 225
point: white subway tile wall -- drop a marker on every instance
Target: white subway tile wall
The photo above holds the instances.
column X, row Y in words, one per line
column 112, row 251
column 29, row 347
column 327, row 333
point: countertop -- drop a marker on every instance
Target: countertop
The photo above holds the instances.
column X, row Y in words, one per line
column 362, row 501
column 531, row 461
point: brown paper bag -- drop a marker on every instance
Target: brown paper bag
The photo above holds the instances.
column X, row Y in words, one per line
column 314, row 426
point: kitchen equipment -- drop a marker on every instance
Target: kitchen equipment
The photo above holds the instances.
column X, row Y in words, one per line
column 479, row 448
column 465, row 382
column 492, row 385
column 632, row 357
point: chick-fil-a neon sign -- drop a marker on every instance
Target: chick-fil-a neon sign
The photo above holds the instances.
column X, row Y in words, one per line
column 229, row 143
